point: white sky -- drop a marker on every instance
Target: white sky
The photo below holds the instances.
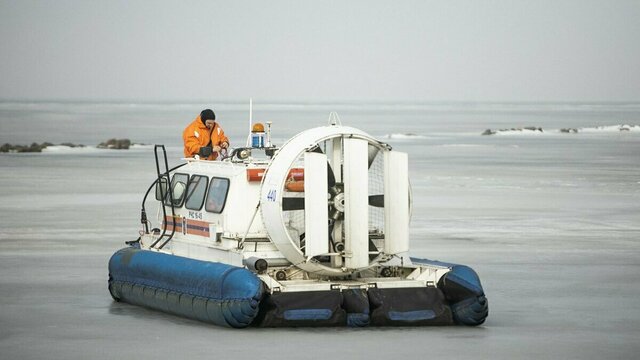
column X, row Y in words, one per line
column 321, row 50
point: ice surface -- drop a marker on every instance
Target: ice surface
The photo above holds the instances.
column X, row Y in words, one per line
column 551, row 224
column 403, row 136
column 530, row 131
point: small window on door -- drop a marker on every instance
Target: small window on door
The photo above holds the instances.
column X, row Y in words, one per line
column 217, row 195
column 196, row 190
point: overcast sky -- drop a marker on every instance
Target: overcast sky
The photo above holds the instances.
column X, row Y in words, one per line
column 321, row 50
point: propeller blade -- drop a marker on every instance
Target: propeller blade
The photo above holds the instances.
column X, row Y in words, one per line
column 373, row 152
column 292, row 203
column 376, row 200
column 331, row 178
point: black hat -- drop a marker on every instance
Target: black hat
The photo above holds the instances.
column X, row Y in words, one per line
column 207, row 114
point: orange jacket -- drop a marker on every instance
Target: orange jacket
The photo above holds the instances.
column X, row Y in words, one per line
column 196, row 135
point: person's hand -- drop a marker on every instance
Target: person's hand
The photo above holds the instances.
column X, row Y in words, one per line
column 204, row 151
column 217, row 149
column 224, row 145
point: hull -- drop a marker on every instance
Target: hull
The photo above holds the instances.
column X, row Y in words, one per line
column 235, row 297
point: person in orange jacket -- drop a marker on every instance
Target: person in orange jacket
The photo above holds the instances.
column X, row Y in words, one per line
column 204, row 132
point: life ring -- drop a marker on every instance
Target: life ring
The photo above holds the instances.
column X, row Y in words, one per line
column 295, row 186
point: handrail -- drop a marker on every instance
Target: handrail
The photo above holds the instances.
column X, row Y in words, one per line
column 146, row 194
column 163, row 195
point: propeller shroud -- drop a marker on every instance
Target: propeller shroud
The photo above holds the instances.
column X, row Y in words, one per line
column 341, row 221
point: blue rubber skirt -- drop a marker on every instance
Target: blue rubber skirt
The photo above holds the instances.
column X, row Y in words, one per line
column 231, row 296
column 211, row 292
column 463, row 291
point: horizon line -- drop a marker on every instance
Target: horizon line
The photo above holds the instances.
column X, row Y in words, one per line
column 306, row 101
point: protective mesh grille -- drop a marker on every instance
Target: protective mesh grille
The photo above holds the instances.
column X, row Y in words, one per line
column 295, row 219
column 376, row 187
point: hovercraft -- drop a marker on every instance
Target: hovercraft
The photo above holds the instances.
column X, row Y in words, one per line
column 312, row 233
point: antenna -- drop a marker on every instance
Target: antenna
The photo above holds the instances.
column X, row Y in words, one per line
column 250, row 121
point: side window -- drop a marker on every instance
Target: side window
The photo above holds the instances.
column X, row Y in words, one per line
column 178, row 186
column 217, row 196
column 195, row 192
column 162, row 188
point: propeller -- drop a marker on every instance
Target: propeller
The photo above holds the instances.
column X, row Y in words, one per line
column 376, row 200
column 297, row 203
column 292, row 203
